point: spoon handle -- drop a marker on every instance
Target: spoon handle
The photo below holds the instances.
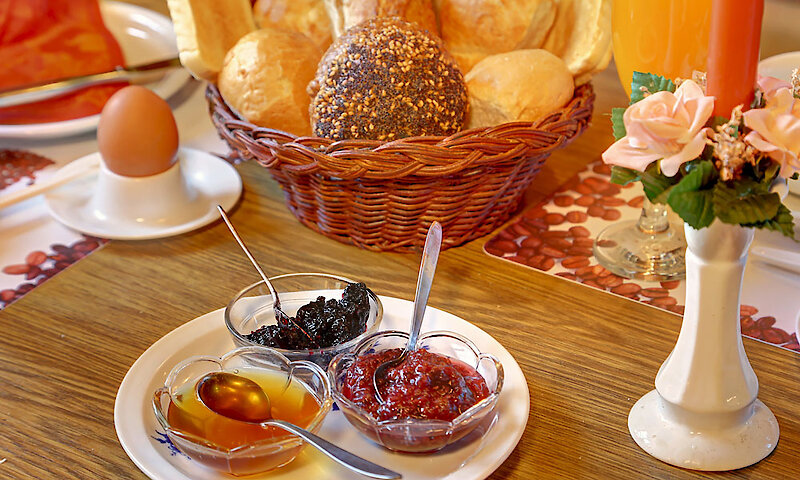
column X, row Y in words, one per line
column 249, row 255
column 430, row 256
column 349, row 460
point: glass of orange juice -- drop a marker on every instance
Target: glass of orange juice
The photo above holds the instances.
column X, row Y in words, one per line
column 665, row 37
column 668, row 38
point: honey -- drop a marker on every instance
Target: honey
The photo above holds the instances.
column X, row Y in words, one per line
column 291, row 402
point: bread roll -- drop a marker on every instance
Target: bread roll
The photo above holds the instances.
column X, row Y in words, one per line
column 206, row 29
column 581, row 35
column 265, row 75
column 523, row 85
column 386, row 79
column 305, row 16
column 345, row 14
column 475, row 29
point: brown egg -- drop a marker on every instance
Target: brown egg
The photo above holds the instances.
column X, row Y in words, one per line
column 137, row 135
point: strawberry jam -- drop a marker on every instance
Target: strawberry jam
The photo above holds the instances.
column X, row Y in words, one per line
column 425, row 385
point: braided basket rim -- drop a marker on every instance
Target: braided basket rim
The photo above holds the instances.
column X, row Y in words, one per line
column 429, row 156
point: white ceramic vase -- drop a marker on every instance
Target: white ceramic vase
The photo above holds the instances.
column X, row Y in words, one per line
column 704, row 414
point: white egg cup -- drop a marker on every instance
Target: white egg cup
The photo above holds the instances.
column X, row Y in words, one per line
column 155, row 199
column 178, row 200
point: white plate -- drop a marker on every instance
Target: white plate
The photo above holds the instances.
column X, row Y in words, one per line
column 215, row 181
column 780, row 66
column 144, row 441
column 777, row 250
column 144, row 36
column 797, row 327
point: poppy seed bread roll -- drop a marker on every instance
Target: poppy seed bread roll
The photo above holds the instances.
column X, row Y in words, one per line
column 386, row 79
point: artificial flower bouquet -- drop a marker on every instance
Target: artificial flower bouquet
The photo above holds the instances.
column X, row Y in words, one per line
column 703, row 167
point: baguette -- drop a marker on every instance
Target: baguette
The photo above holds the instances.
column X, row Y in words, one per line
column 206, row 29
column 345, row 14
column 308, row 17
column 581, row 35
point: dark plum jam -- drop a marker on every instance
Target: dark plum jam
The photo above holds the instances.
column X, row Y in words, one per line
column 320, row 323
column 425, row 385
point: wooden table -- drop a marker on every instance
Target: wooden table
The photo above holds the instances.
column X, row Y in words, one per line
column 587, row 355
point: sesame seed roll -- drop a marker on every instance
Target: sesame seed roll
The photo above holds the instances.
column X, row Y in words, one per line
column 386, row 79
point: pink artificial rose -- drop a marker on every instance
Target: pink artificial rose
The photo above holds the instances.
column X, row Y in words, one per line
column 776, row 129
column 771, row 85
column 664, row 126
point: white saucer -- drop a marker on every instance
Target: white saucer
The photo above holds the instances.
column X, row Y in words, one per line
column 213, row 180
column 468, row 459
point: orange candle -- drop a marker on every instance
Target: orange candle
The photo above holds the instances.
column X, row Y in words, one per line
column 733, row 50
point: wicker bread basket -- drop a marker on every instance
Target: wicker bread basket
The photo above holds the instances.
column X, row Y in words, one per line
column 383, row 196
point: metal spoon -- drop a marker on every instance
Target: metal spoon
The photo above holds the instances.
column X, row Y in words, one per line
column 430, row 255
column 276, row 304
column 242, row 399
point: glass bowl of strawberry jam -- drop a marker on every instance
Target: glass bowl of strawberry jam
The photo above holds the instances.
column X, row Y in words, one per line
column 299, row 393
column 440, row 393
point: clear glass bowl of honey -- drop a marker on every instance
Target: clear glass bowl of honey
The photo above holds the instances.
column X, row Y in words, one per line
column 299, row 392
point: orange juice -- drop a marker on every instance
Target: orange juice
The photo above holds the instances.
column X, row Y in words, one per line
column 665, row 37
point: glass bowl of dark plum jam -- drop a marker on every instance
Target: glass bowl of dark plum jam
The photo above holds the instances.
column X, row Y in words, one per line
column 440, row 393
column 328, row 315
column 299, row 392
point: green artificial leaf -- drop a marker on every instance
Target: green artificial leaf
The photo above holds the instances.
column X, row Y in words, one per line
column 695, row 207
column 651, row 82
column 718, row 120
column 782, row 222
column 742, row 206
column 747, row 186
column 691, row 197
column 770, row 173
column 617, row 122
column 702, row 172
column 624, row 176
column 656, row 185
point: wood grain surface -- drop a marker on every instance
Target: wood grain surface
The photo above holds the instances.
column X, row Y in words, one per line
column 587, row 356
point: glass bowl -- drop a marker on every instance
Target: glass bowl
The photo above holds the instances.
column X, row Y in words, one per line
column 414, row 435
column 251, row 308
column 239, row 448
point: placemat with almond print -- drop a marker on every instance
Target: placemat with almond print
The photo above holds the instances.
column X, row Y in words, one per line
column 33, row 246
column 557, row 235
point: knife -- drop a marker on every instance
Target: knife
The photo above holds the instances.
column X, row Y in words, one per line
column 53, row 88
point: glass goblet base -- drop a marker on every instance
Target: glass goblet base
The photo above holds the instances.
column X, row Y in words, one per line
column 631, row 251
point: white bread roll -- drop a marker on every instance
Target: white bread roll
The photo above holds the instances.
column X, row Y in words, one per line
column 305, row 16
column 523, row 85
column 206, row 30
column 265, row 75
column 475, row 29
